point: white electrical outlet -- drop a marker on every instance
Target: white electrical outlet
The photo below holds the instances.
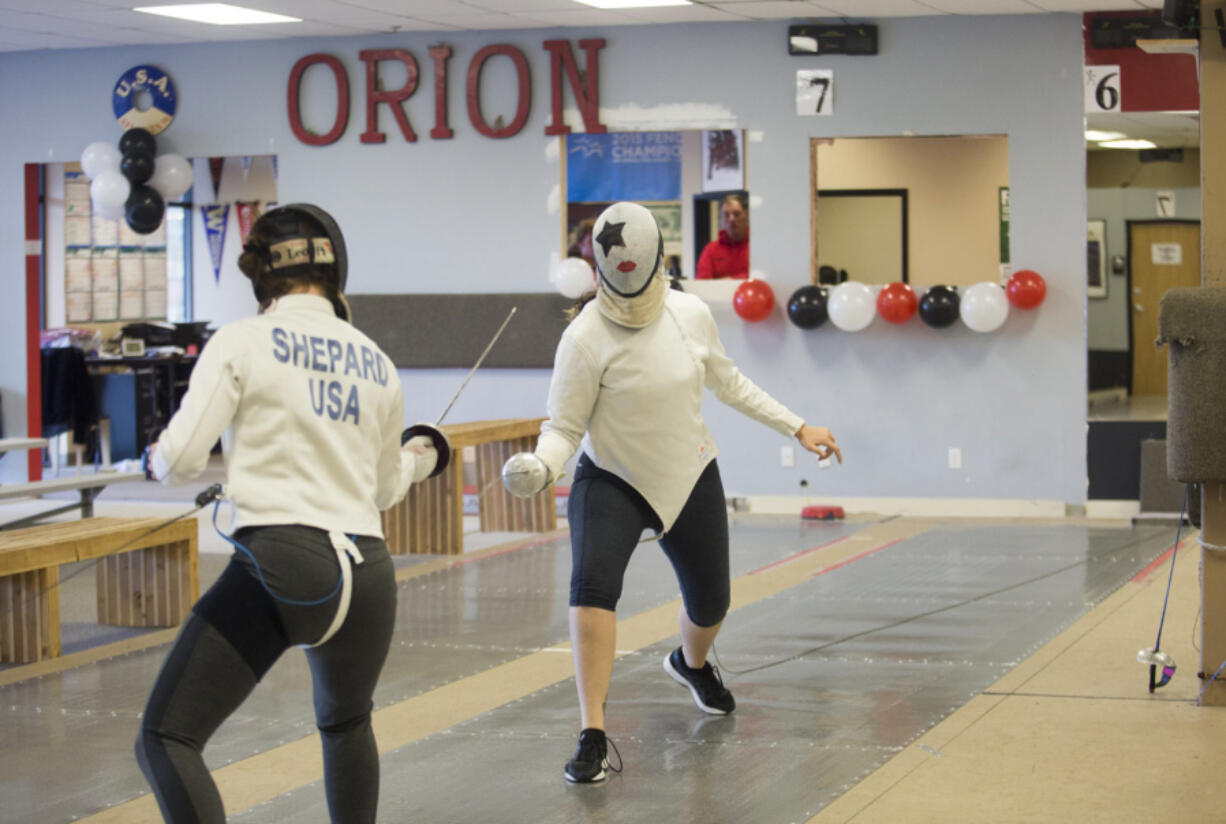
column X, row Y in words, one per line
column 955, row 457
column 787, row 456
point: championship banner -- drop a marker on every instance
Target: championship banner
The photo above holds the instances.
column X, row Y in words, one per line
column 246, row 166
column 248, row 212
column 215, row 219
column 602, row 168
column 274, row 166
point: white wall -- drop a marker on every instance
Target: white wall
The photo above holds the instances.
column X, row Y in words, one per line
column 226, row 296
column 474, row 214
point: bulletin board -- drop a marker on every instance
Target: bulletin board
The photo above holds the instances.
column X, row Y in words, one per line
column 111, row 273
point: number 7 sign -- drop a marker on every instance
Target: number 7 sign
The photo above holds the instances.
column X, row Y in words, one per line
column 814, row 91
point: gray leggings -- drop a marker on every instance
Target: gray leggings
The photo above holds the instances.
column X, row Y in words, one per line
column 235, row 634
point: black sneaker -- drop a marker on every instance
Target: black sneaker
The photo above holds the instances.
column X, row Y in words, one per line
column 705, row 685
column 590, row 763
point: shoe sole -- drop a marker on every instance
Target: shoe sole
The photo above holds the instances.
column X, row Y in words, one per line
column 680, row 679
column 594, row 780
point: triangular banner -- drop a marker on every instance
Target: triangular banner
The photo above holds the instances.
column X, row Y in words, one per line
column 215, row 166
column 215, row 219
column 248, row 212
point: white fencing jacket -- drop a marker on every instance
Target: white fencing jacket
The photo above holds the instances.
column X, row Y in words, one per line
column 632, row 399
column 311, row 410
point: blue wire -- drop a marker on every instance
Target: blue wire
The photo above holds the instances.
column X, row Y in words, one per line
column 1210, row 681
column 260, row 574
column 1174, row 551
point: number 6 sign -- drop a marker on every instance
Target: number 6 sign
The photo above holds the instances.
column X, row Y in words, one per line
column 814, row 91
column 1102, row 88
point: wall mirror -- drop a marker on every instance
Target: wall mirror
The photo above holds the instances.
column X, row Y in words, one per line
column 681, row 176
column 924, row 210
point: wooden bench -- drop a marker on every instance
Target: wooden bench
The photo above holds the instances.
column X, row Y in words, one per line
column 152, row 582
column 88, row 485
column 430, row 518
column 11, row 444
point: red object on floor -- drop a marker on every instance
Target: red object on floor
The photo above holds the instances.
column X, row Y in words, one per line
column 822, row 513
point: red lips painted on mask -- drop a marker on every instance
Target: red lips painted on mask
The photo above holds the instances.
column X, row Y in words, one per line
column 626, row 266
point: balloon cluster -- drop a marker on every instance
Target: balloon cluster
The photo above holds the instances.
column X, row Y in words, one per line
column 851, row 306
column 132, row 181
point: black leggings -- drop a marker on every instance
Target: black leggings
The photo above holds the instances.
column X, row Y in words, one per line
column 234, row 635
column 607, row 517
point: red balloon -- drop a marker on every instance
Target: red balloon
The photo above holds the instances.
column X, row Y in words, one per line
column 753, row 300
column 897, row 302
column 1026, row 289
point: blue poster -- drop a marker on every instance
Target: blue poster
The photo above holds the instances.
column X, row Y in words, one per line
column 215, row 215
column 602, row 168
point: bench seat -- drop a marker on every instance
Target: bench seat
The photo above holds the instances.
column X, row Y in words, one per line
column 88, row 485
column 150, row 582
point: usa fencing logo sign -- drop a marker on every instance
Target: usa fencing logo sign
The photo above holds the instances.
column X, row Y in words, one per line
column 144, row 98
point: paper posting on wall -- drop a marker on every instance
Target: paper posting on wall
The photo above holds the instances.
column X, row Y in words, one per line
column 215, row 217
column 76, row 194
column 105, row 232
column 722, row 160
column 78, row 306
column 155, row 270
column 131, row 304
column 131, row 270
column 155, row 303
column 78, row 272
column 104, row 265
column 1164, row 202
column 77, row 230
column 1166, row 254
column 814, row 91
column 128, row 237
column 1101, row 85
column 106, row 305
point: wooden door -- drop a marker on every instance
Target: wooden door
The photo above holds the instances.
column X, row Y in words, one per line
column 1163, row 255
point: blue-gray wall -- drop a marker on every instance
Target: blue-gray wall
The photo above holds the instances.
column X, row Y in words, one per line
column 473, row 214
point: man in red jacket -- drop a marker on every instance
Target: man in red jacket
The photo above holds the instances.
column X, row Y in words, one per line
column 728, row 257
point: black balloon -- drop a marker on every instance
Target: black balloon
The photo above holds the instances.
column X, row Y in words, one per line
column 807, row 307
column 144, row 209
column 939, row 306
column 137, row 141
column 137, row 168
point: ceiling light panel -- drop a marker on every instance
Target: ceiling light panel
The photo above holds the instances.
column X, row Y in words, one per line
column 218, row 14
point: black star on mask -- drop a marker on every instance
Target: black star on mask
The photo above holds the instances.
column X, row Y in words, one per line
column 610, row 236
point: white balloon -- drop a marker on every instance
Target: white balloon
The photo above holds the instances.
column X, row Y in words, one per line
column 172, row 176
column 109, row 212
column 98, row 158
column 573, row 277
column 851, row 306
column 109, row 191
column 984, row 306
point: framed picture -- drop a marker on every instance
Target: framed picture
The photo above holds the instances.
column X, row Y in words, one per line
column 1096, row 258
